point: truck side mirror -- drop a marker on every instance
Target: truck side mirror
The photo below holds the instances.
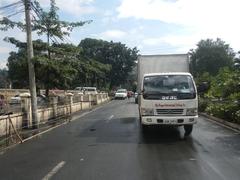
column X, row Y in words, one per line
column 203, row 87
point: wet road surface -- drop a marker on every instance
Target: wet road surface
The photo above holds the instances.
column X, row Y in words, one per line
column 107, row 144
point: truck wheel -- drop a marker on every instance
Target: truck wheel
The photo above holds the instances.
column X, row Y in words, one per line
column 188, row 129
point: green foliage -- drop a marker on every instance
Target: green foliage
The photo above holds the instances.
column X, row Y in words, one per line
column 6, row 24
column 224, row 84
column 93, row 63
column 121, row 58
column 226, row 110
column 202, row 104
column 223, row 98
column 205, row 77
column 210, row 56
column 4, row 81
column 18, row 69
column 66, row 68
column 49, row 23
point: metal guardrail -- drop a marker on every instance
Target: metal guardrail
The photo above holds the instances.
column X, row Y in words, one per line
column 16, row 125
column 14, row 135
column 9, row 107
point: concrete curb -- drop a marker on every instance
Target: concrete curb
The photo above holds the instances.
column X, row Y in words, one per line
column 221, row 121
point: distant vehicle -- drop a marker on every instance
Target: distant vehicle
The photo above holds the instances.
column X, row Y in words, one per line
column 78, row 88
column 167, row 92
column 15, row 99
column 41, row 99
column 121, row 94
column 90, row 90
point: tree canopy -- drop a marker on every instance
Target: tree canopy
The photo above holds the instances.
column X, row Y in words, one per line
column 210, row 56
column 119, row 56
column 70, row 66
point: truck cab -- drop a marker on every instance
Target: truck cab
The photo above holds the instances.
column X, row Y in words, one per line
column 168, row 99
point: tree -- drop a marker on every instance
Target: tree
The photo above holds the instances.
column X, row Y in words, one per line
column 4, row 81
column 210, row 56
column 120, row 57
column 66, row 68
column 237, row 61
column 50, row 25
column 60, row 67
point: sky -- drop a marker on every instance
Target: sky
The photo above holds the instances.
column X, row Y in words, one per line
column 153, row 26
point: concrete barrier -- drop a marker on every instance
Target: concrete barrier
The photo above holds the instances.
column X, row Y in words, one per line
column 24, row 119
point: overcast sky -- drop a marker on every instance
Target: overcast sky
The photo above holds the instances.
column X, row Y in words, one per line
column 153, row 26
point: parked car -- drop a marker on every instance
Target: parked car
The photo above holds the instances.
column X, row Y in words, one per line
column 121, row 94
column 41, row 99
column 15, row 99
column 78, row 89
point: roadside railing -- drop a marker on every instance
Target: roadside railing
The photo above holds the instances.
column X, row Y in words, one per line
column 7, row 106
column 16, row 123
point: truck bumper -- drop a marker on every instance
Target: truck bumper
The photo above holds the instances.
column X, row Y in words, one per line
column 168, row 120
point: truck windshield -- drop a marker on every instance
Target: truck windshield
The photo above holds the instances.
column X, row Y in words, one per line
column 168, row 87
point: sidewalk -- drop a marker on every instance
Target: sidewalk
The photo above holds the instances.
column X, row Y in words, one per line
column 221, row 121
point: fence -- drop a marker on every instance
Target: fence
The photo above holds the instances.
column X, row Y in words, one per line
column 14, row 127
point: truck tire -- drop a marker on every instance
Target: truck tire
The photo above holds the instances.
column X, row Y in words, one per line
column 188, row 129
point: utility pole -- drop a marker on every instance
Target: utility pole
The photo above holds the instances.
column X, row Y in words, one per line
column 32, row 84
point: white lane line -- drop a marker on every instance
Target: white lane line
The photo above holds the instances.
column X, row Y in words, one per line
column 109, row 118
column 54, row 170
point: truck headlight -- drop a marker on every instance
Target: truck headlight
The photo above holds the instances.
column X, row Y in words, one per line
column 147, row 112
column 192, row 112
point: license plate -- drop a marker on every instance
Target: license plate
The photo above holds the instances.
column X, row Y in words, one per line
column 170, row 121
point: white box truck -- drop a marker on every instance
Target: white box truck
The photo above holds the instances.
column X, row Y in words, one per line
column 167, row 92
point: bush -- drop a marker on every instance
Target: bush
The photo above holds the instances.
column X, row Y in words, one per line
column 202, row 104
column 228, row 111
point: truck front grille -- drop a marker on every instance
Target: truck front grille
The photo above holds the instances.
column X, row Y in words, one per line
column 169, row 111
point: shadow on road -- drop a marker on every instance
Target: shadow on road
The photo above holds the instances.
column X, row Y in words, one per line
column 161, row 135
column 127, row 130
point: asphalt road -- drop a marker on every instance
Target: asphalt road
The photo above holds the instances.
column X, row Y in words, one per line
column 107, row 144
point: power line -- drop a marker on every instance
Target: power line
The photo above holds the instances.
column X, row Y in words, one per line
column 10, row 5
column 12, row 9
column 15, row 13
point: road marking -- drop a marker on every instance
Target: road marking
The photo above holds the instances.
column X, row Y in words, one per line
column 192, row 159
column 107, row 121
column 54, row 170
